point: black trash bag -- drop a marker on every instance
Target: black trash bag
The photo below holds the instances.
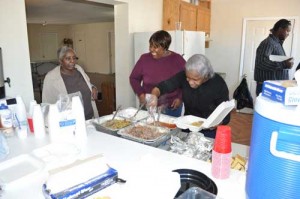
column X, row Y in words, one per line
column 242, row 95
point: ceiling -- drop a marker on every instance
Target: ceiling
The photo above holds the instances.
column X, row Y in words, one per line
column 67, row 12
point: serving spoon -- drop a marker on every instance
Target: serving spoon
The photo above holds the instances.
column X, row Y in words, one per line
column 115, row 114
column 140, row 107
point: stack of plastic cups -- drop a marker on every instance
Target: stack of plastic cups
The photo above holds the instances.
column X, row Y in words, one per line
column 78, row 112
column 21, row 117
column 29, row 115
column 53, row 122
column 221, row 155
column 38, row 121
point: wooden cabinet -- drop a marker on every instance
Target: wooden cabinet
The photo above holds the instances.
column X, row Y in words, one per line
column 203, row 19
column 171, row 13
column 192, row 17
column 187, row 16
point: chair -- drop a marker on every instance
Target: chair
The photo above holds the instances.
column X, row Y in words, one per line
column 108, row 103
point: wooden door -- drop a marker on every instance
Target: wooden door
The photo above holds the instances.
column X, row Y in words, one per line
column 188, row 16
column 49, row 46
column 254, row 32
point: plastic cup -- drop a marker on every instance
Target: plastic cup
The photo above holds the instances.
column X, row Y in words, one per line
column 178, row 25
column 30, row 123
column 221, row 154
column 223, row 139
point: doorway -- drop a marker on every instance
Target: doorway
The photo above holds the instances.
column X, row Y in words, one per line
column 254, row 31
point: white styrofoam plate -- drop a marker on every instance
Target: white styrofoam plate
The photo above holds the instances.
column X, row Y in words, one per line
column 185, row 122
column 20, row 169
column 57, row 154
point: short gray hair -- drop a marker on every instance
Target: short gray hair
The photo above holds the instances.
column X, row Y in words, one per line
column 200, row 64
column 61, row 52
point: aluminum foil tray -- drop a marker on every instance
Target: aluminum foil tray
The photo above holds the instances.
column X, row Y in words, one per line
column 165, row 134
column 99, row 127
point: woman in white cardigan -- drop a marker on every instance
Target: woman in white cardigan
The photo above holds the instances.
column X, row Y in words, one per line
column 69, row 78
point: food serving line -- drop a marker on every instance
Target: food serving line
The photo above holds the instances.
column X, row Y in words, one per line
column 137, row 163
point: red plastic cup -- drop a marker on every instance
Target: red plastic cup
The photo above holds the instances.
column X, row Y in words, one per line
column 223, row 139
column 30, row 123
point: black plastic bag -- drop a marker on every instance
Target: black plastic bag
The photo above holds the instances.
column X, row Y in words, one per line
column 242, row 95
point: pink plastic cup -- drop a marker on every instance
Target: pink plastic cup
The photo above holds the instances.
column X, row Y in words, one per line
column 30, row 123
column 223, row 139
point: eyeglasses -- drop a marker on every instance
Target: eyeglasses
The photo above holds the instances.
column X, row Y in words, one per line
column 71, row 58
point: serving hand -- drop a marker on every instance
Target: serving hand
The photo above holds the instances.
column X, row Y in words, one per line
column 289, row 62
column 176, row 103
column 94, row 93
column 151, row 101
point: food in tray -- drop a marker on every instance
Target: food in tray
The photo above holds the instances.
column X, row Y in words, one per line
column 197, row 124
column 144, row 132
column 165, row 124
column 168, row 125
column 116, row 124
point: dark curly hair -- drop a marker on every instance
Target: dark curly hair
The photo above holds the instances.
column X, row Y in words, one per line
column 161, row 38
column 282, row 23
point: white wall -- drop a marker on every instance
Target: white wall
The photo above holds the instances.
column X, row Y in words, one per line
column 15, row 50
column 226, row 31
column 133, row 16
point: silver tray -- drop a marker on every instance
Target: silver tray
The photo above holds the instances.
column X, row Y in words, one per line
column 165, row 134
column 99, row 127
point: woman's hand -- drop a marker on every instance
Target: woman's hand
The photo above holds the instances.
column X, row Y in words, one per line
column 94, row 93
column 142, row 98
column 176, row 103
column 151, row 102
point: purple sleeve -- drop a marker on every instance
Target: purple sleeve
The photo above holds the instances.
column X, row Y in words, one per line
column 136, row 77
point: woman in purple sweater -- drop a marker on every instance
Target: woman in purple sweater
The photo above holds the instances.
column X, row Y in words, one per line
column 158, row 65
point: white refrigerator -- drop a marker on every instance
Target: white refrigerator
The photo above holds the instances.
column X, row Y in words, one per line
column 185, row 43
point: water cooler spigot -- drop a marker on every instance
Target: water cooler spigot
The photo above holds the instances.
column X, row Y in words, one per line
column 7, row 81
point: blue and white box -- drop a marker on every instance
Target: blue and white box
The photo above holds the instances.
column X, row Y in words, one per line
column 286, row 92
column 80, row 179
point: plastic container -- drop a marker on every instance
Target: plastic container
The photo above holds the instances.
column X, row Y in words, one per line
column 188, row 121
column 21, row 170
column 274, row 158
column 6, row 117
column 192, row 178
column 197, row 193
